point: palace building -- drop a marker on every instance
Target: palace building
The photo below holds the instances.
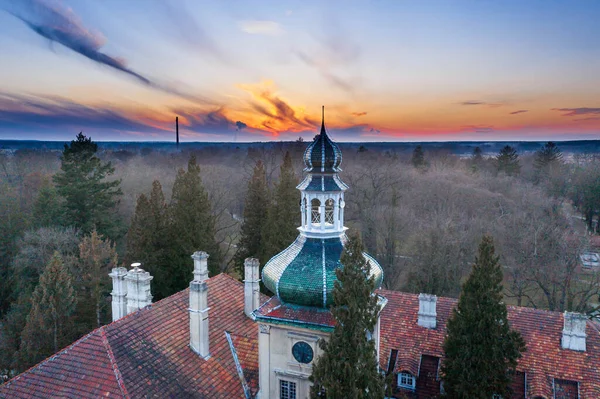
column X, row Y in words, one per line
column 222, row 338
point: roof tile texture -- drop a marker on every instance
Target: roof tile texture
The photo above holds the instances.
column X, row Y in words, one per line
column 149, row 350
column 543, row 361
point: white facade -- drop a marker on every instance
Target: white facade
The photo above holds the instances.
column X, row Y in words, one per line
column 277, row 363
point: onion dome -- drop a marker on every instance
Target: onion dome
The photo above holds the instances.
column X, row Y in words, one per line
column 304, row 273
column 322, row 155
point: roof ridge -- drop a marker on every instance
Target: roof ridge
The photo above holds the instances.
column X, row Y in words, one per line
column 113, row 363
column 49, row 358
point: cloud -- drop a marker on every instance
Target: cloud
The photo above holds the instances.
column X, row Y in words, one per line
column 27, row 113
column 240, row 125
column 478, row 128
column 577, row 111
column 373, row 130
column 275, row 114
column 325, row 72
column 472, row 103
column 357, row 114
column 59, row 24
column 254, row 27
column 177, row 21
column 489, row 105
column 519, row 111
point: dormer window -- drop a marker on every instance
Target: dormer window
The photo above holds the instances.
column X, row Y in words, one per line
column 406, row 380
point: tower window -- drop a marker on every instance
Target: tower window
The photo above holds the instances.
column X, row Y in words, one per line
column 315, row 206
column 287, row 390
column 329, row 205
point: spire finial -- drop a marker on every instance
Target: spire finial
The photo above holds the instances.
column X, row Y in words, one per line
column 322, row 119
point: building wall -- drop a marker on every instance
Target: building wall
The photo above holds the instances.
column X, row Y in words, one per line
column 277, row 363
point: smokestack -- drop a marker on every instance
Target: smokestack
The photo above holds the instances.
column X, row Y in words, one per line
column 177, row 130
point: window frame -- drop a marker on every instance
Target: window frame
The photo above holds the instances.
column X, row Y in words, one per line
column 292, row 388
column 406, row 375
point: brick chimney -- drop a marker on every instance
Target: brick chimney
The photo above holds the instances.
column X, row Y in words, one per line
column 138, row 288
column 198, row 309
column 251, row 286
column 119, row 292
column 427, row 311
column 573, row 336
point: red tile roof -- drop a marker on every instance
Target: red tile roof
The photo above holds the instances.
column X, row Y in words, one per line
column 147, row 354
column 275, row 311
column 542, row 330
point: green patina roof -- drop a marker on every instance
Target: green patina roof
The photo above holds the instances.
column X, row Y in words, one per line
column 304, row 273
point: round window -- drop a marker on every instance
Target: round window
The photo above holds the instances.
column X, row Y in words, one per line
column 302, row 352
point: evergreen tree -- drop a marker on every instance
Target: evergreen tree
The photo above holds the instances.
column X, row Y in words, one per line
column 90, row 200
column 147, row 239
column 97, row 257
column 48, row 326
column 418, row 157
column 549, row 154
column 348, row 366
column 507, row 161
column 477, row 157
column 47, row 209
column 191, row 228
column 283, row 216
column 251, row 241
column 547, row 159
column 481, row 350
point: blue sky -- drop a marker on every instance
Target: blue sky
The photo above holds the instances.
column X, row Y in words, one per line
column 385, row 70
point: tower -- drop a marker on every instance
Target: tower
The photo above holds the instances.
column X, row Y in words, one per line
column 302, row 278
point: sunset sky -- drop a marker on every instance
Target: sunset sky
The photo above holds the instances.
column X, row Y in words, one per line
column 260, row 70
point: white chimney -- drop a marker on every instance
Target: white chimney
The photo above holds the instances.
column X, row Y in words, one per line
column 573, row 336
column 138, row 288
column 198, row 309
column 427, row 310
column 251, row 286
column 119, row 292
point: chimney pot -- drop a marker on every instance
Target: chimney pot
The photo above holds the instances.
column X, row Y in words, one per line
column 251, row 286
column 427, row 311
column 573, row 336
column 138, row 288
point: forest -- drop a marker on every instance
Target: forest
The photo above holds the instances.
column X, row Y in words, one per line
column 69, row 215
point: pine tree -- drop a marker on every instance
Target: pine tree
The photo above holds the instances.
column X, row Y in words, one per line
column 283, row 216
column 481, row 350
column 147, row 239
column 251, row 241
column 348, row 367
column 90, row 200
column 507, row 161
column 47, row 209
column 418, row 157
column 48, row 326
column 191, row 228
column 97, row 256
column 547, row 159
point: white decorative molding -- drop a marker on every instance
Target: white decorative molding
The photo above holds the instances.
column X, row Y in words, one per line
column 264, row 328
column 293, row 374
